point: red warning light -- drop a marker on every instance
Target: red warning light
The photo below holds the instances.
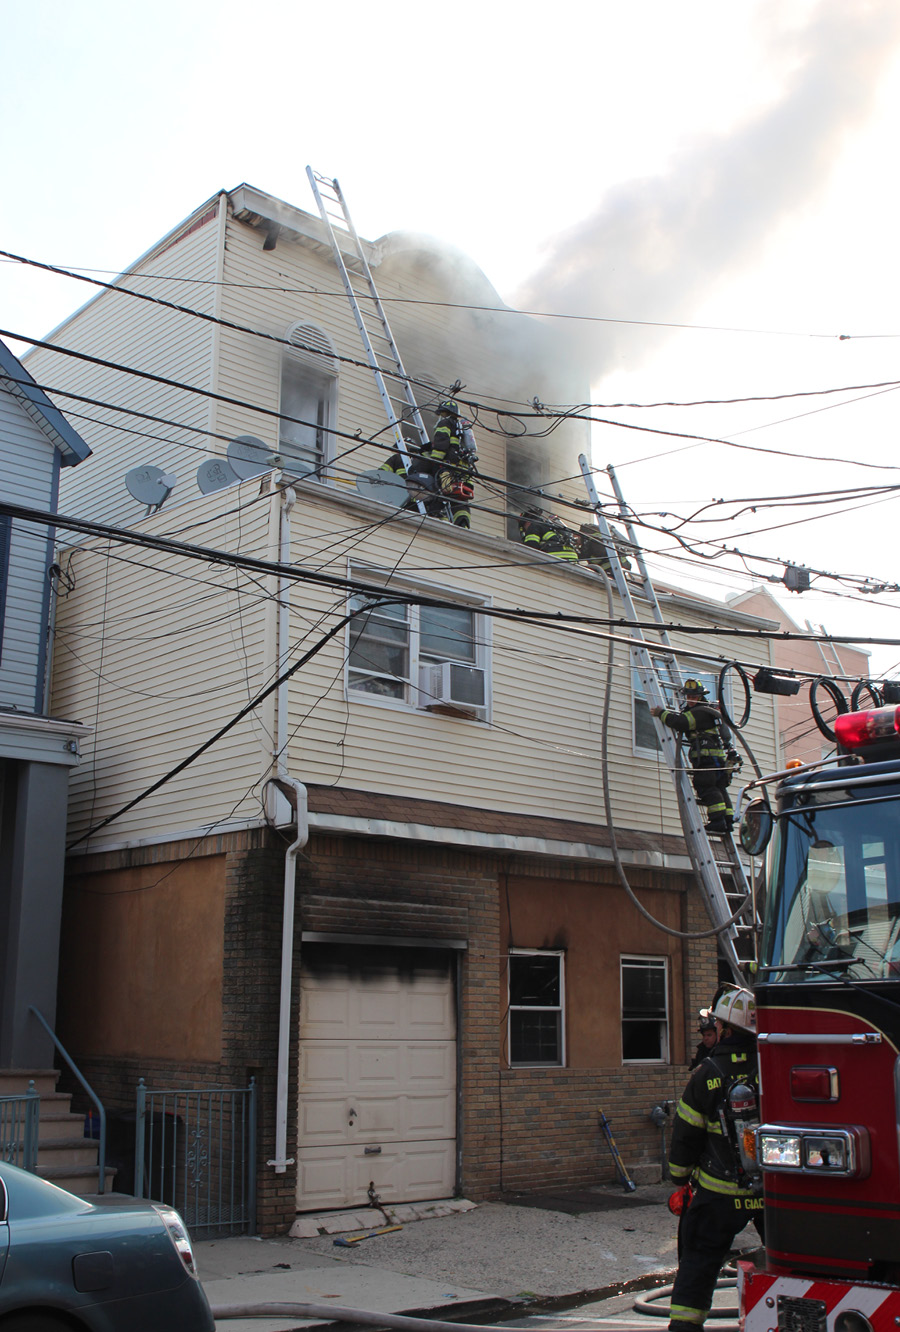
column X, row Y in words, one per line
column 855, row 730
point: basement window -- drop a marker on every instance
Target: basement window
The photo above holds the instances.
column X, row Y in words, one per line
column 536, row 995
column 645, row 1010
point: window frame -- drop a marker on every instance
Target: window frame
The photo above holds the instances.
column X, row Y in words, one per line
column 560, row 1008
column 324, row 367
column 413, row 699
column 656, row 960
column 709, row 677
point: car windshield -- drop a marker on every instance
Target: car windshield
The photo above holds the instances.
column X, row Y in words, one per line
column 833, row 904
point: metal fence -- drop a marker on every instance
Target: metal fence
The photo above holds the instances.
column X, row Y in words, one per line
column 195, row 1149
column 19, row 1118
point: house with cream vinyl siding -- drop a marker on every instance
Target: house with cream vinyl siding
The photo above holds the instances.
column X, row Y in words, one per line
column 469, row 977
column 37, row 750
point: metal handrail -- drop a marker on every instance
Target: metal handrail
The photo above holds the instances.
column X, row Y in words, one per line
column 101, row 1113
column 12, row 1149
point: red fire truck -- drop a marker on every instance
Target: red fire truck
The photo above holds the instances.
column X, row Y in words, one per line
column 828, row 1012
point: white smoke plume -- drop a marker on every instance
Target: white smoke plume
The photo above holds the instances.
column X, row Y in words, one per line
column 656, row 247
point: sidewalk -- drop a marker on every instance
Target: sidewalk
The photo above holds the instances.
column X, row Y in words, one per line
column 492, row 1261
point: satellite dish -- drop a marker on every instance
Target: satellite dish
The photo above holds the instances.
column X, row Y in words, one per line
column 297, row 467
column 249, row 456
column 150, row 485
column 385, row 487
column 215, row 474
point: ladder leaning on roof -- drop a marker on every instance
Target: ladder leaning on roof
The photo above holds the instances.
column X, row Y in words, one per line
column 710, row 872
column 371, row 319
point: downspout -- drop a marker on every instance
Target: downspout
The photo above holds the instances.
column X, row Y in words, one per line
column 296, row 792
column 288, row 500
column 280, row 1161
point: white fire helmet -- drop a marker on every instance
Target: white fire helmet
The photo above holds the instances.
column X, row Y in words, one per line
column 736, row 1008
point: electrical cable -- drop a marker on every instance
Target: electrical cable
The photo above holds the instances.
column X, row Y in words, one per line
column 567, row 414
column 223, row 730
column 566, row 623
column 502, row 482
column 78, row 273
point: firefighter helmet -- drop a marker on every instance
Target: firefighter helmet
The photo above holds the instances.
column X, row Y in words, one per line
column 448, row 408
column 694, row 687
column 736, row 1008
column 707, row 1021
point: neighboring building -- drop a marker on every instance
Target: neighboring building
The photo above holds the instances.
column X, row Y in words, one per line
column 798, row 735
column 37, row 751
column 470, row 979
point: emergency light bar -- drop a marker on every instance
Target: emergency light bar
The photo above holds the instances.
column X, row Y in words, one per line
column 855, row 730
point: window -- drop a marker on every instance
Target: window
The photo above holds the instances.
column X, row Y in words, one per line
column 426, row 657
column 645, row 1010
column 536, row 1030
column 308, row 397
column 645, row 738
column 529, row 468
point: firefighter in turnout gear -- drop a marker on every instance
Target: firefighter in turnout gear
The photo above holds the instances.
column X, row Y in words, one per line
column 547, row 533
column 711, row 760
column 452, row 451
column 441, row 473
column 714, row 1148
column 708, row 1037
column 593, row 550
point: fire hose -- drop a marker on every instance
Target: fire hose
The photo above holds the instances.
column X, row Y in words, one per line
column 645, row 1305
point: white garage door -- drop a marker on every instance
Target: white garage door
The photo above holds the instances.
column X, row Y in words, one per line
column 377, row 1103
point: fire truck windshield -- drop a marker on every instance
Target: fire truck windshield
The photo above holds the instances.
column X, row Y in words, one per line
column 833, row 894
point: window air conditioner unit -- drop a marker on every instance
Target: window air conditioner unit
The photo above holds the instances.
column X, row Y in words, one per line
column 450, row 684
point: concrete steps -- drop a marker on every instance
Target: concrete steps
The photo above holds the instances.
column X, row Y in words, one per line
column 65, row 1156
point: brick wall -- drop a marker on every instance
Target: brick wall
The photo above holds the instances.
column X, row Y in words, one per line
column 551, row 1127
column 520, row 1129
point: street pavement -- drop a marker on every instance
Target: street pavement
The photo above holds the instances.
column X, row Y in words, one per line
column 486, row 1263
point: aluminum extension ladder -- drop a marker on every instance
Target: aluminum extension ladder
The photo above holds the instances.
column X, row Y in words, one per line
column 371, row 319
column 736, row 942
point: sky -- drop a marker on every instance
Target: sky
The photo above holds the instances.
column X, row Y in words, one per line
column 702, row 194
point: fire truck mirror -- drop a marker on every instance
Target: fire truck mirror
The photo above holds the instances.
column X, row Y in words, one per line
column 756, row 827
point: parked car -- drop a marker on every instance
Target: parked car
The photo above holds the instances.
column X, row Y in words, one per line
column 69, row 1266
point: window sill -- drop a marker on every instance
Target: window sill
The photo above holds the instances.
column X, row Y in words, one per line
column 399, row 705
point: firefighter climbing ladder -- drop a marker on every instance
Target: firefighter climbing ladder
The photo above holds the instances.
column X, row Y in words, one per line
column 735, row 942
column 371, row 320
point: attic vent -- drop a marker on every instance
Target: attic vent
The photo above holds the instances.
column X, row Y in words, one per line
column 314, row 345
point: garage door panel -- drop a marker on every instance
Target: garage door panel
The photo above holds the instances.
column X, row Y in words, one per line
column 324, row 1120
column 342, row 1065
column 397, row 1117
column 331, row 1178
column 326, row 1065
column 419, row 1011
